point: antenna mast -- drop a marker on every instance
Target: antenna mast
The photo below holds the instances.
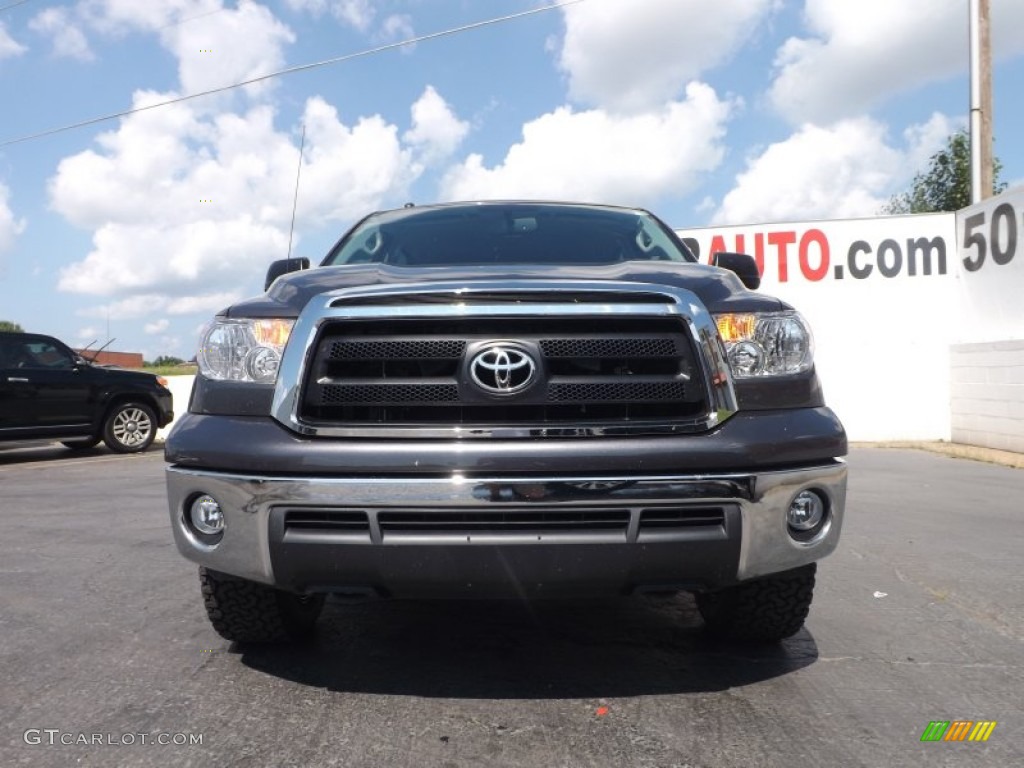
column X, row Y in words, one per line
column 295, row 200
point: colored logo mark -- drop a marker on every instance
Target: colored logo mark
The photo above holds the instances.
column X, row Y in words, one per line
column 958, row 730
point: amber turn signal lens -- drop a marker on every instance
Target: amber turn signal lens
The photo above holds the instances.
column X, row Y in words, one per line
column 733, row 328
column 272, row 333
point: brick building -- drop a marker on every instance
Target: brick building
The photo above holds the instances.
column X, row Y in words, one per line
column 120, row 359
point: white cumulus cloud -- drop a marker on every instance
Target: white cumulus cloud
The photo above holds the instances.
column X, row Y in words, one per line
column 603, row 157
column 176, row 259
column 638, row 55
column 847, row 170
column 182, row 203
column 229, row 47
column 8, row 45
column 856, row 55
column 66, row 36
column 189, row 202
column 121, row 16
column 232, row 44
column 358, row 14
column 436, row 131
column 316, row 7
column 350, row 169
column 148, row 304
column 10, row 225
column 398, row 26
column 157, row 326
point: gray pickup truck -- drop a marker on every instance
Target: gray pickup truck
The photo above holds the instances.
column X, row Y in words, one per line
column 507, row 400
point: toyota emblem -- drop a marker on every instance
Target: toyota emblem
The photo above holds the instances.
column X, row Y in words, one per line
column 500, row 369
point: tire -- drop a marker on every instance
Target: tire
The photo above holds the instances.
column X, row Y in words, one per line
column 763, row 611
column 129, row 427
column 81, row 445
column 246, row 612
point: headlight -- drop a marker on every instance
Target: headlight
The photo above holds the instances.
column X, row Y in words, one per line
column 243, row 349
column 766, row 344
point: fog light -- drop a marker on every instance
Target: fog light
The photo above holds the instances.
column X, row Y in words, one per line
column 206, row 515
column 806, row 512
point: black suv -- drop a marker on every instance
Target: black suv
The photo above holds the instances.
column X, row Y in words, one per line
column 48, row 392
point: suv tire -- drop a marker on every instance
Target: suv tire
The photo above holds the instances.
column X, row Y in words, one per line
column 129, row 427
column 763, row 611
column 246, row 612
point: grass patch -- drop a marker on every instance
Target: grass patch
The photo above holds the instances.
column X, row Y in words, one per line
column 170, row 370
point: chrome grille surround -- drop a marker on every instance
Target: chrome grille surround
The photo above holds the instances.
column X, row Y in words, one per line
column 447, row 300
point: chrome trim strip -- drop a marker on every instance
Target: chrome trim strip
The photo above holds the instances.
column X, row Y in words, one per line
column 55, row 428
column 766, row 546
column 680, row 303
column 763, row 498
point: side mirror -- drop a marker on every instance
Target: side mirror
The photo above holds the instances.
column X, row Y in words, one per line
column 283, row 267
column 693, row 245
column 742, row 264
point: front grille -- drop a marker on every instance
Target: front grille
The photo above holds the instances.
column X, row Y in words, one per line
column 386, row 349
column 329, row 522
column 610, row 392
column 591, row 371
column 680, row 518
column 627, row 348
column 510, row 522
column 384, row 394
column 492, row 297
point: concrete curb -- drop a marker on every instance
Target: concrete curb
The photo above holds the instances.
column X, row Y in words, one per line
column 956, row 450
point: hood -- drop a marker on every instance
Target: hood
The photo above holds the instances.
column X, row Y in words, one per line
column 718, row 289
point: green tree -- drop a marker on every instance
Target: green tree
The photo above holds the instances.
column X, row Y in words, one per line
column 167, row 360
column 946, row 185
column 7, row 325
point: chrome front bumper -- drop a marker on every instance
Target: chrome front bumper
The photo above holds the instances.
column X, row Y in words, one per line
column 762, row 498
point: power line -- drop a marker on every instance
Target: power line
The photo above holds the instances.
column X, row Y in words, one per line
column 292, row 70
column 179, row 22
column 165, row 26
column 11, row 5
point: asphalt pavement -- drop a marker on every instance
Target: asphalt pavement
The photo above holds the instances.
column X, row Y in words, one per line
column 104, row 645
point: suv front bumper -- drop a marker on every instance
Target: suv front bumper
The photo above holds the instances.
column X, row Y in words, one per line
column 506, row 535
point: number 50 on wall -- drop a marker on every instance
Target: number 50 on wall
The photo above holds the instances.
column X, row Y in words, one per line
column 990, row 228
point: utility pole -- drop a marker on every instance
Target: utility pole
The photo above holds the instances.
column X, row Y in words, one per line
column 981, row 101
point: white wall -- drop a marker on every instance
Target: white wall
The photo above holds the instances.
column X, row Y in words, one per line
column 987, row 365
column 990, row 285
column 181, row 389
column 883, row 314
column 988, row 394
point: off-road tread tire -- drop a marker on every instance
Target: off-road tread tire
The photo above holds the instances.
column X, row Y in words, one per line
column 763, row 611
column 244, row 611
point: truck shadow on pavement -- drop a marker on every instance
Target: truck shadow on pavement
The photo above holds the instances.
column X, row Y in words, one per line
column 38, row 452
column 502, row 650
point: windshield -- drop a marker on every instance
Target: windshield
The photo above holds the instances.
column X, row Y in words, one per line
column 482, row 235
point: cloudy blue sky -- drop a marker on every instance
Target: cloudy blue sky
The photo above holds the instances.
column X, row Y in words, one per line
column 705, row 111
